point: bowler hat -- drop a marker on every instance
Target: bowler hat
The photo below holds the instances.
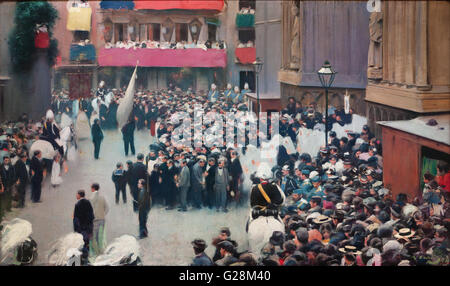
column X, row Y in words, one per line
column 277, row 238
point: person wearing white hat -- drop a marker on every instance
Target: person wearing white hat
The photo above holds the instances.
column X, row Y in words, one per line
column 237, row 95
column 50, row 131
column 266, row 197
column 229, row 95
column 246, row 89
column 213, row 94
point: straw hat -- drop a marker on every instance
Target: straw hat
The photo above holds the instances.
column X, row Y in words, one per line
column 404, row 233
column 321, row 219
column 349, row 249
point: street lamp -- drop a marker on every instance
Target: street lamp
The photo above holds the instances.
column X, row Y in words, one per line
column 326, row 75
column 258, row 65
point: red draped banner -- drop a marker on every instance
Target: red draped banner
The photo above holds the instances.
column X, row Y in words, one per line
column 163, row 57
column 245, row 55
column 179, row 4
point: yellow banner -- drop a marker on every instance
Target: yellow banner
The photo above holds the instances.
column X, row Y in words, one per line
column 79, row 19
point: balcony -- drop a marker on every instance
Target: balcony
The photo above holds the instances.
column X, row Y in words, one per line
column 84, row 53
column 194, row 57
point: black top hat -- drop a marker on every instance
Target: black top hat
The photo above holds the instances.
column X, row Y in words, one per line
column 277, row 238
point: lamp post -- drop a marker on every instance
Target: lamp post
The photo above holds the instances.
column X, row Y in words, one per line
column 258, row 64
column 326, row 76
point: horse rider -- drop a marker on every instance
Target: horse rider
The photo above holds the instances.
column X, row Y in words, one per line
column 50, row 132
column 266, row 197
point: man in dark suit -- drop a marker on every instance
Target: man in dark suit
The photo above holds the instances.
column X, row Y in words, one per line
column 200, row 259
column 144, row 206
column 22, row 176
column 37, row 175
column 128, row 135
column 235, row 171
column 97, row 137
column 83, row 220
column 8, row 176
column 170, row 185
column 137, row 172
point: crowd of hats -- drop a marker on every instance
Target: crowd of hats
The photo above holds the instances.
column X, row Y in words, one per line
column 338, row 213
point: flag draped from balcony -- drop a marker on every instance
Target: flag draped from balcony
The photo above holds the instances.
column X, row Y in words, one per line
column 245, row 20
column 245, row 55
column 117, row 5
column 179, row 4
column 79, row 19
column 82, row 53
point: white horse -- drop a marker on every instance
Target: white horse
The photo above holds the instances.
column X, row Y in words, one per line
column 67, row 250
column 17, row 234
column 260, row 230
column 124, row 250
column 46, row 148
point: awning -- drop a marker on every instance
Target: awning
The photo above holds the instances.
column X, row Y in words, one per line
column 162, row 57
column 212, row 21
column 79, row 19
column 179, row 4
column 117, row 5
column 245, row 55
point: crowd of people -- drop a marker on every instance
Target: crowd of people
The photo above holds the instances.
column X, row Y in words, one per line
column 147, row 44
column 333, row 204
column 336, row 211
column 19, row 168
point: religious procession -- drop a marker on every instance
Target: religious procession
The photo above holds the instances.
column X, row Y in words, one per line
column 173, row 154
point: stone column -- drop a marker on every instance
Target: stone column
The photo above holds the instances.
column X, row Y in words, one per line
column 201, row 80
column 39, row 86
column 117, row 78
column 152, row 79
column 95, row 78
column 162, row 78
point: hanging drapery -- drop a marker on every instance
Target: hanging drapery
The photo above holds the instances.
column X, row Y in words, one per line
column 79, row 19
column 117, row 5
column 179, row 4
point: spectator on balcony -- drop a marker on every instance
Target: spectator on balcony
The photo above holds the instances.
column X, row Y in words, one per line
column 246, row 89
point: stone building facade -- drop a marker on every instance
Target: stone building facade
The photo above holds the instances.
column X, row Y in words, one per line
column 316, row 31
column 410, row 74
